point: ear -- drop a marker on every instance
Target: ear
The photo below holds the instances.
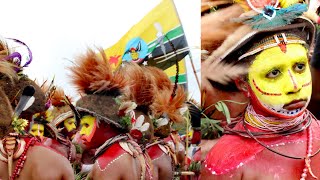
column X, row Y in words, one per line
column 243, row 86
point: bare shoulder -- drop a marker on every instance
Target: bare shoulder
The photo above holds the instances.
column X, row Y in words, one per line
column 48, row 164
column 118, row 168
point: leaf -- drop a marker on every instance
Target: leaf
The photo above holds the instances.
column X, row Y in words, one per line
column 218, row 127
column 226, row 112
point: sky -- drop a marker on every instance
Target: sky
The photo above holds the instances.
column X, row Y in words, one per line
column 58, row 31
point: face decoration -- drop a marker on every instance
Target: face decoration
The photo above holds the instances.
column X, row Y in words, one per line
column 37, row 130
column 280, row 82
column 88, row 128
column 70, row 126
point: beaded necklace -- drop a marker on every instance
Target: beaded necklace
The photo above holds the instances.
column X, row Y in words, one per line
column 263, row 125
column 272, row 123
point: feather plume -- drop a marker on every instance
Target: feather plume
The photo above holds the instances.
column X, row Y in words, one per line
column 221, row 72
column 4, row 49
column 208, row 4
column 216, row 26
column 283, row 17
column 7, row 69
column 159, row 78
column 141, row 87
column 93, row 74
column 57, row 99
column 164, row 105
column 229, row 42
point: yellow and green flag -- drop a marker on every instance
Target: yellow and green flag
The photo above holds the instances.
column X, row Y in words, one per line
column 157, row 40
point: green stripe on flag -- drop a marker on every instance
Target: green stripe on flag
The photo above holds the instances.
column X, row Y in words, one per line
column 181, row 80
column 172, row 34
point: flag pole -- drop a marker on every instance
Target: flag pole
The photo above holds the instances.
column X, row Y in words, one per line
column 194, row 70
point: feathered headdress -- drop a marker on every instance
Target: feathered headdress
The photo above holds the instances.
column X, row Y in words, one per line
column 141, row 92
column 250, row 25
column 165, row 105
column 141, row 88
column 93, row 76
column 159, row 77
column 14, row 84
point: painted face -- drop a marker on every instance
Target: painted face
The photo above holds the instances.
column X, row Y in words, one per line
column 37, row 130
column 280, row 83
column 70, row 124
column 88, row 128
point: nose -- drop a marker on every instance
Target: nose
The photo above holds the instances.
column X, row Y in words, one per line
column 295, row 88
column 294, row 91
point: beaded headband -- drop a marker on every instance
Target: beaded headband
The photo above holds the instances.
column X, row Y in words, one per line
column 281, row 40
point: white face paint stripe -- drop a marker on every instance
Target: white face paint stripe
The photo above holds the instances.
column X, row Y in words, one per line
column 293, row 81
column 38, row 130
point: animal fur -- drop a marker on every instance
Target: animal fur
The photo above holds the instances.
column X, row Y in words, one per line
column 93, row 74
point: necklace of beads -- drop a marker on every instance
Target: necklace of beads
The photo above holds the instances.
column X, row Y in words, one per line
column 22, row 159
column 272, row 123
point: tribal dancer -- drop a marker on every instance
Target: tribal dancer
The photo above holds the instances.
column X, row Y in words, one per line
column 21, row 155
column 277, row 137
column 105, row 120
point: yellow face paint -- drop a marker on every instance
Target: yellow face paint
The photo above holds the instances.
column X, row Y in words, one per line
column 277, row 78
column 70, row 124
column 88, row 127
column 37, row 130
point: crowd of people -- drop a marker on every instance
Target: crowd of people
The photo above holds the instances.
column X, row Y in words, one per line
column 121, row 127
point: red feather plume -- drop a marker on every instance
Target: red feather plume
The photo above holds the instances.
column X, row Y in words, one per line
column 164, row 104
column 141, row 86
column 93, row 74
column 160, row 78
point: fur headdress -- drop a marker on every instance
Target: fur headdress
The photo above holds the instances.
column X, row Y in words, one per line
column 14, row 84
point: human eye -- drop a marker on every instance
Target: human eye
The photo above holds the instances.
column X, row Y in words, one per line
column 273, row 73
column 299, row 67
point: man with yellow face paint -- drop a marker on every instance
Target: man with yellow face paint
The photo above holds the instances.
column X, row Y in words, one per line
column 276, row 137
column 66, row 124
column 37, row 130
column 106, row 117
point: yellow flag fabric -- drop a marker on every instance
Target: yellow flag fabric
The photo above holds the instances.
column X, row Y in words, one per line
column 150, row 41
column 171, row 72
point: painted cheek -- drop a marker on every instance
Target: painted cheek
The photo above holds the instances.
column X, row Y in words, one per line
column 88, row 132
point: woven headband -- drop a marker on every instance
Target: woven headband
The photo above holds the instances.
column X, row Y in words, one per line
column 280, row 40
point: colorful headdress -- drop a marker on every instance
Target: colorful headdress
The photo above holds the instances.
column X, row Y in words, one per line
column 285, row 26
column 141, row 92
column 100, row 88
column 13, row 85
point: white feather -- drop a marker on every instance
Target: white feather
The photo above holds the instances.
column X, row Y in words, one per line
column 29, row 103
column 162, row 122
column 139, row 121
column 145, row 127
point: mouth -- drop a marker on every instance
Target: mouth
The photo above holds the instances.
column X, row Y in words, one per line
column 292, row 108
column 296, row 104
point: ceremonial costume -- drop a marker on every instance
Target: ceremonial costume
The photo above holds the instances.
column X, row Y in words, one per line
column 106, row 117
column 276, row 137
